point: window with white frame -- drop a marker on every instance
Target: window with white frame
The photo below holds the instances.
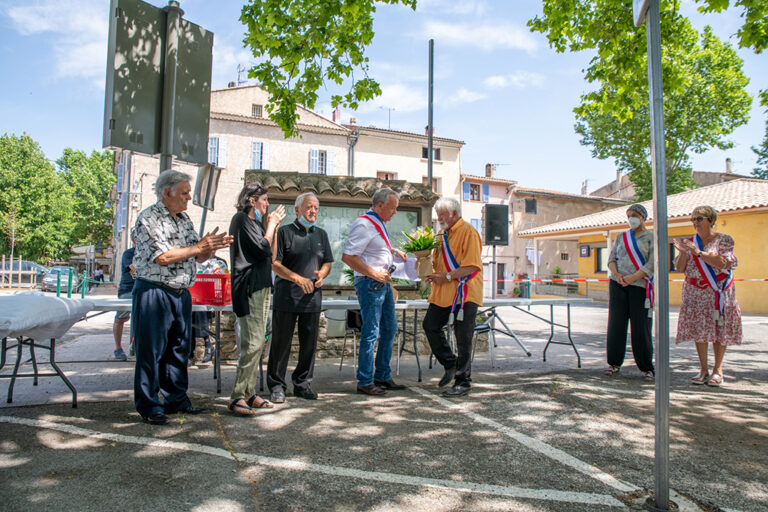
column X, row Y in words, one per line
column 435, row 153
column 217, row 152
column 256, row 110
column 321, row 162
column 259, row 155
column 437, row 184
column 386, row 175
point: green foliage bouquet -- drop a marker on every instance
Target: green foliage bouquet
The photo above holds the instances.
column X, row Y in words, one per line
column 423, row 239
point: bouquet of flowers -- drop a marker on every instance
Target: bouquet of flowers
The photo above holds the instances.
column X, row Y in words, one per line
column 421, row 243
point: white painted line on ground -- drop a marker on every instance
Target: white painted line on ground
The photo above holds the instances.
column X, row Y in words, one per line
column 536, row 445
column 298, row 465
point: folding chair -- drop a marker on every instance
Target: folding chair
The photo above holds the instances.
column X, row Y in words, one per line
column 354, row 325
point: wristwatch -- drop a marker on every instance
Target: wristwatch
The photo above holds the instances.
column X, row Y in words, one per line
column 448, row 276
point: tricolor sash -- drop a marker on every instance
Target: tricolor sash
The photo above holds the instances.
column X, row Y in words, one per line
column 710, row 275
column 461, row 290
column 374, row 218
column 630, row 244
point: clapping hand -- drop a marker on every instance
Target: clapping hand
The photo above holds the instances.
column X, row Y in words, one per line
column 212, row 242
column 684, row 245
column 277, row 215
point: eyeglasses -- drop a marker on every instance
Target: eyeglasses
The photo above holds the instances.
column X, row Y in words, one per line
column 257, row 190
column 697, row 219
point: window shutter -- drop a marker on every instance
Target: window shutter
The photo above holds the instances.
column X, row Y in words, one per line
column 213, row 150
column 486, row 188
column 264, row 155
column 466, row 191
column 256, row 155
column 330, row 170
column 314, row 157
column 222, row 160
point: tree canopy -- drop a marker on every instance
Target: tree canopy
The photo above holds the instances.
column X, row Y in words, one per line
column 89, row 179
column 306, row 43
column 761, row 171
column 31, row 189
column 704, row 86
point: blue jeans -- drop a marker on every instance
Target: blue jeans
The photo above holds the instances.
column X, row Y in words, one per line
column 377, row 307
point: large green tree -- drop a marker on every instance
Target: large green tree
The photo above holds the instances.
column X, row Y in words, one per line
column 761, row 171
column 89, row 179
column 303, row 44
column 34, row 200
column 704, row 86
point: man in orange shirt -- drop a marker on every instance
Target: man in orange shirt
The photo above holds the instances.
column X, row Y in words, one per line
column 457, row 292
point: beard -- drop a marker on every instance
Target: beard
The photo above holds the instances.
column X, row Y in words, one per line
column 442, row 225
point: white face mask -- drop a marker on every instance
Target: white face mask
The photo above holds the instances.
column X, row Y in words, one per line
column 634, row 222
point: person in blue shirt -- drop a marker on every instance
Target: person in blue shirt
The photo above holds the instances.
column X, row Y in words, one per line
column 124, row 291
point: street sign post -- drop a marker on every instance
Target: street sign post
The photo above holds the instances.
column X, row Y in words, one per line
column 648, row 11
column 158, row 88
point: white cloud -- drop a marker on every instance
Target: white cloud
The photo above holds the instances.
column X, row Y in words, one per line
column 466, row 96
column 225, row 61
column 400, row 97
column 464, row 7
column 80, row 30
column 519, row 79
column 484, row 36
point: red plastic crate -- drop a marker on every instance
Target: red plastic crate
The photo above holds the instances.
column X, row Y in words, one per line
column 213, row 289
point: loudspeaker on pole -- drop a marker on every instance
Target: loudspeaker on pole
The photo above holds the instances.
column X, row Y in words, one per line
column 496, row 224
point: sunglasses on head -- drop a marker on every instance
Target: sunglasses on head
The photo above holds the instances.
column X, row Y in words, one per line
column 258, row 190
column 698, row 219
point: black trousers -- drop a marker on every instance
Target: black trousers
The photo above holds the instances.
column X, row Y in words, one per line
column 627, row 304
column 283, row 324
column 162, row 330
column 434, row 321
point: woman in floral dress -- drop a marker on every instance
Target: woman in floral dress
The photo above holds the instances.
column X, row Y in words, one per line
column 707, row 316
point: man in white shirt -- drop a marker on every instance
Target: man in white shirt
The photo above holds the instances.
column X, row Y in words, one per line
column 369, row 254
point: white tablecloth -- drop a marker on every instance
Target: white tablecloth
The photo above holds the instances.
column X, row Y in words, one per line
column 39, row 316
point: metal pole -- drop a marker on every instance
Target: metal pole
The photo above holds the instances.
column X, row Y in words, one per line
column 430, row 128
column 661, row 256
column 206, row 200
column 174, row 13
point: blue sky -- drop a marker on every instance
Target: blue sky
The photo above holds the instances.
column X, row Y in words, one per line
column 498, row 87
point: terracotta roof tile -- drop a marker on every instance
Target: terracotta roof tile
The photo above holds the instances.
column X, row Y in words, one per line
column 741, row 194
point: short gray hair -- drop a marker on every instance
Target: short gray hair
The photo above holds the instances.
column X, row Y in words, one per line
column 169, row 179
column 300, row 199
column 382, row 196
column 448, row 204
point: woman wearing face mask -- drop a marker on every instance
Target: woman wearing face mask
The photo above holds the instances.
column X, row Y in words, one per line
column 251, row 258
column 631, row 295
column 709, row 312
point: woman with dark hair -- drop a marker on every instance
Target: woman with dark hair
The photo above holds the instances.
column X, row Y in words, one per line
column 709, row 312
column 251, row 259
column 630, row 295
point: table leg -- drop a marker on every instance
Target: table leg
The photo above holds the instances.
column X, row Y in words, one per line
column 34, row 362
column 551, row 329
column 217, row 363
column 415, row 345
column 569, row 336
column 3, row 349
column 15, row 371
column 61, row 374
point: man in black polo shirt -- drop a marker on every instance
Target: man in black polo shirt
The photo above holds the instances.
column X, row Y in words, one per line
column 303, row 260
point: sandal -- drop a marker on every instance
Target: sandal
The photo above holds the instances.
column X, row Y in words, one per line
column 612, row 370
column 239, row 408
column 264, row 404
column 715, row 380
column 700, row 379
column 648, row 376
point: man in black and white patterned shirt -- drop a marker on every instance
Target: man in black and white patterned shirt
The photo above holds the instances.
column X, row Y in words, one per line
column 167, row 248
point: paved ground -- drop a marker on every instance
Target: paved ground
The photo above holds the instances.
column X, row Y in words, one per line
column 532, row 436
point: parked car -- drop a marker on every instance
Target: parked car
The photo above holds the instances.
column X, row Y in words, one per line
column 28, row 268
column 49, row 281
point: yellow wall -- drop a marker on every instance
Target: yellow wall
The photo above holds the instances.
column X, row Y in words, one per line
column 744, row 227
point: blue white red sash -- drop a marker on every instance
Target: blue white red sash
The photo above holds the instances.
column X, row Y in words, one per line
column 630, row 244
column 379, row 225
column 461, row 290
column 710, row 274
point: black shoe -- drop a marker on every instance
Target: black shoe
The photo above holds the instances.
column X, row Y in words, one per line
column 208, row 355
column 371, row 390
column 155, row 419
column 305, row 393
column 457, row 390
column 448, row 376
column 388, row 384
column 277, row 396
column 191, row 409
